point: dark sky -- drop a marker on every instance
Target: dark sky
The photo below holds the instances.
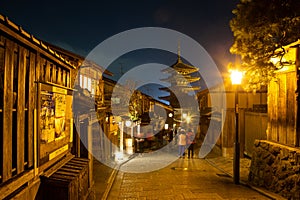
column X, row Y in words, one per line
column 79, row 26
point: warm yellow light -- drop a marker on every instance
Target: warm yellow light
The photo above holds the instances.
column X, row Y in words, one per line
column 188, row 119
column 128, row 142
column 166, row 126
column 274, row 60
column 236, row 77
column 184, row 115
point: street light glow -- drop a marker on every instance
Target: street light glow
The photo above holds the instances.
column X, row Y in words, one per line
column 128, row 123
column 236, row 77
column 188, row 119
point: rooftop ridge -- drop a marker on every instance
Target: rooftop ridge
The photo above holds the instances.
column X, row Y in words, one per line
column 18, row 29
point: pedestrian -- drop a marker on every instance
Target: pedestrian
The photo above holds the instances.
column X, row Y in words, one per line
column 181, row 143
column 190, row 142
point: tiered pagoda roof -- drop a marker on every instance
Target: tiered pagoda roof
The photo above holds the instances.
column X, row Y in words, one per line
column 180, row 78
column 181, row 68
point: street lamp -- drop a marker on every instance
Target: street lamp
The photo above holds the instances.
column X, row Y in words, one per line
column 236, row 79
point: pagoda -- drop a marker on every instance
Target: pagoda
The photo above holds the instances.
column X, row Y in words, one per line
column 180, row 80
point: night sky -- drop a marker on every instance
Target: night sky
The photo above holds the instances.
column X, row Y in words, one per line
column 79, row 26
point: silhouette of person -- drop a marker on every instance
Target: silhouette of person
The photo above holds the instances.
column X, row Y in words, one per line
column 181, row 143
column 190, row 142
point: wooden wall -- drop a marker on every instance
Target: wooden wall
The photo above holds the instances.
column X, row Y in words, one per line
column 282, row 106
column 24, row 61
column 17, row 107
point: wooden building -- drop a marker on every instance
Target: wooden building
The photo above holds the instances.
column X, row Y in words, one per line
column 283, row 98
column 128, row 104
column 275, row 161
column 36, row 86
column 41, row 147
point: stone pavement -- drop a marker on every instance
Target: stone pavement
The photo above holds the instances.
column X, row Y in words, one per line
column 103, row 178
column 225, row 164
column 209, row 178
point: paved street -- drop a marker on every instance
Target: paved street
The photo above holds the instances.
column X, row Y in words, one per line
column 182, row 179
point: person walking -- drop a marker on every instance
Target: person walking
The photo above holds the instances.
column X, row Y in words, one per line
column 190, row 142
column 181, row 143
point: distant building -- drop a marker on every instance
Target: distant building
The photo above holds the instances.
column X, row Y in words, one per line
column 181, row 83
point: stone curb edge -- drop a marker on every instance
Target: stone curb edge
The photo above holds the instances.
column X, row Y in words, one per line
column 260, row 190
column 112, row 177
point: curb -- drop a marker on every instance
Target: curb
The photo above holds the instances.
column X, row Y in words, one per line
column 264, row 192
column 112, row 177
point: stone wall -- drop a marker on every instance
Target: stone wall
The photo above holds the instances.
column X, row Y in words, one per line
column 276, row 167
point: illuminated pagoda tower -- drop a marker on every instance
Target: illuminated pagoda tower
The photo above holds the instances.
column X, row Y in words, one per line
column 181, row 83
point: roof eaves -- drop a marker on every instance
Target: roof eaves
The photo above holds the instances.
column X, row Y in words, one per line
column 31, row 38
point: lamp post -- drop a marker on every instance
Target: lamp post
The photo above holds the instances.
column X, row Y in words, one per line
column 236, row 79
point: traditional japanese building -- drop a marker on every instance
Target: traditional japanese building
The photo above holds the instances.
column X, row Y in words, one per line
column 182, row 82
column 36, row 85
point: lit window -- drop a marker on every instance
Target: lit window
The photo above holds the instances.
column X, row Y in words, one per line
column 89, row 84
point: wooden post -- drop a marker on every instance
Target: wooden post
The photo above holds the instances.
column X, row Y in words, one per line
column 90, row 150
column 242, row 131
column 54, row 75
column 48, row 69
column 35, row 143
column 297, row 110
column 58, row 76
column 121, row 137
column 77, row 137
column 21, row 110
column 31, row 107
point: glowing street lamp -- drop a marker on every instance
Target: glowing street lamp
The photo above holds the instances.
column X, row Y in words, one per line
column 236, row 79
column 188, row 119
column 128, row 123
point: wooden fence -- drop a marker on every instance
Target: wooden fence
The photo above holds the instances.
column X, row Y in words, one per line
column 255, row 128
column 252, row 125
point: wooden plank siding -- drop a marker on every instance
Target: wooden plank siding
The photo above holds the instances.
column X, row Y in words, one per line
column 25, row 64
column 282, row 105
column 290, row 107
column 283, row 114
column 282, row 109
column 7, row 112
column 22, row 64
column 31, row 106
column 18, row 107
column 297, row 96
column 272, row 110
column 21, row 109
column 255, row 128
column 228, row 131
